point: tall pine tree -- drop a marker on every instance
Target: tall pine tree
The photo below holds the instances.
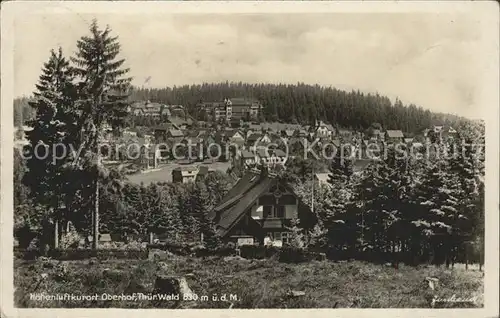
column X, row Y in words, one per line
column 48, row 174
column 103, row 92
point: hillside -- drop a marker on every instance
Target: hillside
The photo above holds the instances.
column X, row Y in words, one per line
column 300, row 103
column 324, row 284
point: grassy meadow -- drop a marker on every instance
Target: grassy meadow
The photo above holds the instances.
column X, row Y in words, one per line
column 256, row 283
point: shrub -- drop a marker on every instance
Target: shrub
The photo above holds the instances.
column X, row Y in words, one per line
column 174, row 248
column 226, row 250
column 270, row 251
column 70, row 240
column 258, row 252
column 80, row 254
column 291, row 254
column 252, row 251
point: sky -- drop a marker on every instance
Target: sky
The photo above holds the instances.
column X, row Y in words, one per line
column 432, row 60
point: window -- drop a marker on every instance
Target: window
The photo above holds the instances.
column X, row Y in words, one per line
column 268, row 211
column 281, row 211
column 285, row 237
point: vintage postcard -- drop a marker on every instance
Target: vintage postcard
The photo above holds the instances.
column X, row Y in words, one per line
column 182, row 156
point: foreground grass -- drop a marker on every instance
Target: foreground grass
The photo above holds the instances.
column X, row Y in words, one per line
column 257, row 283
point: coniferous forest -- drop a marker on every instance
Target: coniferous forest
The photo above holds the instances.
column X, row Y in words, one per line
column 297, row 103
column 303, row 103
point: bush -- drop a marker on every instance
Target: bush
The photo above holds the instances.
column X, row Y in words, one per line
column 252, row 251
column 203, row 251
column 70, row 240
column 174, row 248
column 227, row 250
column 103, row 254
column 258, row 252
column 298, row 255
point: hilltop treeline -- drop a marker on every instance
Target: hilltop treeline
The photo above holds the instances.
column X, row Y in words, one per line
column 303, row 103
column 298, row 103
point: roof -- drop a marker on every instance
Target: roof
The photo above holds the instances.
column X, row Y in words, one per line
column 327, row 126
column 395, row 134
column 243, row 101
column 279, row 153
column 344, row 131
column 254, row 137
column 360, row 164
column 263, row 153
column 275, row 126
column 247, row 154
column 232, row 132
column 166, row 126
column 203, row 170
column 255, row 127
column 102, row 238
column 175, row 133
column 166, row 112
column 237, row 201
column 153, row 110
column 193, row 133
column 244, row 193
column 179, row 121
column 186, row 168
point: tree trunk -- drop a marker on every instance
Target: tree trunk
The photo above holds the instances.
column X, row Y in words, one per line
column 466, row 257
column 56, row 233
column 95, row 238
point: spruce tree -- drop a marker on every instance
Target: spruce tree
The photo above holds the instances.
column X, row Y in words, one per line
column 48, row 174
column 103, row 92
column 335, row 216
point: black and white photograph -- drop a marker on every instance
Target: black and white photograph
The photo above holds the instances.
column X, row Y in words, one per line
column 250, row 155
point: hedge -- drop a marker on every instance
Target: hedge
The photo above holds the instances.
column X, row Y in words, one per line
column 298, row 255
column 220, row 251
column 258, row 251
column 174, row 248
column 81, row 254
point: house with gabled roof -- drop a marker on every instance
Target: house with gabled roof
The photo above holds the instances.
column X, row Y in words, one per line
column 253, row 138
column 448, row 132
column 160, row 131
column 235, row 137
column 175, row 133
column 247, row 159
column 260, row 206
column 271, row 157
column 301, row 133
column 287, row 133
column 184, row 174
column 258, row 138
column 323, row 130
column 394, row 136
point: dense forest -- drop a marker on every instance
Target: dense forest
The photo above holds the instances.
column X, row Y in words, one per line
column 300, row 103
column 303, row 103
